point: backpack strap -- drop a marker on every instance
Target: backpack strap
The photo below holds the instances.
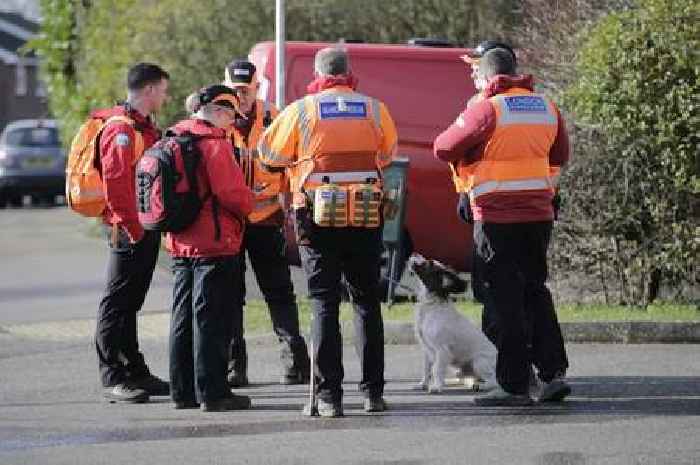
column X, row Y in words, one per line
column 193, row 139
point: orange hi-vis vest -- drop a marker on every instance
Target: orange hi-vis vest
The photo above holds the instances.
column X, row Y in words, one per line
column 265, row 185
column 340, row 135
column 516, row 157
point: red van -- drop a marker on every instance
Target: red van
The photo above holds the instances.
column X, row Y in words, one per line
column 425, row 88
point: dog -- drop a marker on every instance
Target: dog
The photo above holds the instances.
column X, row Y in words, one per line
column 447, row 337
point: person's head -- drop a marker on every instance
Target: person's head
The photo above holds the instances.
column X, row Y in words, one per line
column 494, row 62
column 331, row 61
column 241, row 76
column 217, row 104
column 147, row 85
column 475, row 55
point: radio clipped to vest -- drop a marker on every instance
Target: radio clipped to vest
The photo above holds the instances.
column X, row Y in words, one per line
column 340, row 206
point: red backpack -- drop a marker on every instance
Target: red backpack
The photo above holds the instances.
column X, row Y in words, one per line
column 166, row 184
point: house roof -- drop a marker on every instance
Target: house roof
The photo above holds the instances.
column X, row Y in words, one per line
column 15, row 31
column 19, row 21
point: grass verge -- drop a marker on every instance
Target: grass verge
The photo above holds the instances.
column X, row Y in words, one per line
column 257, row 318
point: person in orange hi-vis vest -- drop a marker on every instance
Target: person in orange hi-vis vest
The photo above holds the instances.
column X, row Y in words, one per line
column 334, row 143
column 504, row 147
column 132, row 251
column 462, row 169
column 263, row 240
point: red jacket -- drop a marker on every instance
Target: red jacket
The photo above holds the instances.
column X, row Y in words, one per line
column 219, row 177
column 117, row 160
column 466, row 140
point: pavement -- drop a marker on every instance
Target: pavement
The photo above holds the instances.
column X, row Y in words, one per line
column 631, row 403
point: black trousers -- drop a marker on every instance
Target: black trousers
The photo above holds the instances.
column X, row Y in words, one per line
column 355, row 254
column 265, row 246
column 201, row 326
column 514, row 270
column 129, row 273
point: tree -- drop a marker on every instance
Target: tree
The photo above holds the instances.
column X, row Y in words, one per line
column 57, row 45
column 634, row 99
column 88, row 46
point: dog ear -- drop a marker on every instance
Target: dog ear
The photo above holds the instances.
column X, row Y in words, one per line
column 452, row 283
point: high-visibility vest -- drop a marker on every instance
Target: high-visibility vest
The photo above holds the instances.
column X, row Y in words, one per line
column 516, row 156
column 266, row 186
column 340, row 136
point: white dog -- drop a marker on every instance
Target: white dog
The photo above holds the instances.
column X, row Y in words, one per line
column 447, row 337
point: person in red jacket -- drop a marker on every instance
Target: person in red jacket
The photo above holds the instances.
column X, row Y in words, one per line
column 503, row 147
column 133, row 251
column 206, row 261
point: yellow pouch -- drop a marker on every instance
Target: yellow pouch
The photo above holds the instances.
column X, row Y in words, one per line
column 365, row 201
column 331, row 206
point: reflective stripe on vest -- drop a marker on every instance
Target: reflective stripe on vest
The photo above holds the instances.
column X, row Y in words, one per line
column 509, row 186
column 524, row 109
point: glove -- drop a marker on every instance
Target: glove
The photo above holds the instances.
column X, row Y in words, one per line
column 556, row 205
column 464, row 209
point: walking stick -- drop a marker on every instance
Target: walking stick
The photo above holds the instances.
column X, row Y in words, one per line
column 311, row 410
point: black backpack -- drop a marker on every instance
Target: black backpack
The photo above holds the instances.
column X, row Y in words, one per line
column 166, row 184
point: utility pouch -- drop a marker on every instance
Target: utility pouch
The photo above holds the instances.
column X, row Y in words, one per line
column 330, row 205
column 365, row 204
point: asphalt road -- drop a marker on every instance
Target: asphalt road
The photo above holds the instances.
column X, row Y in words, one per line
column 632, row 404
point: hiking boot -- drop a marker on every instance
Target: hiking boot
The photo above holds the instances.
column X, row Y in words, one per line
column 230, row 402
column 152, row 384
column 125, row 393
column 375, row 404
column 500, row 398
column 237, row 380
column 330, row 409
column 554, row 391
column 186, row 404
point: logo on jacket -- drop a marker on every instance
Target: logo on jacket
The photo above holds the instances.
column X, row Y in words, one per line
column 343, row 109
column 526, row 104
column 122, row 139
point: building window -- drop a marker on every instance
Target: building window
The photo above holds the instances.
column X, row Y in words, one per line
column 20, row 79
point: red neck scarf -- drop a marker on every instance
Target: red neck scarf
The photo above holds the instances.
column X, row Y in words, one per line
column 326, row 82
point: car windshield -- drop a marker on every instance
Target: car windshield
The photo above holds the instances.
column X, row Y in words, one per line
column 33, row 137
